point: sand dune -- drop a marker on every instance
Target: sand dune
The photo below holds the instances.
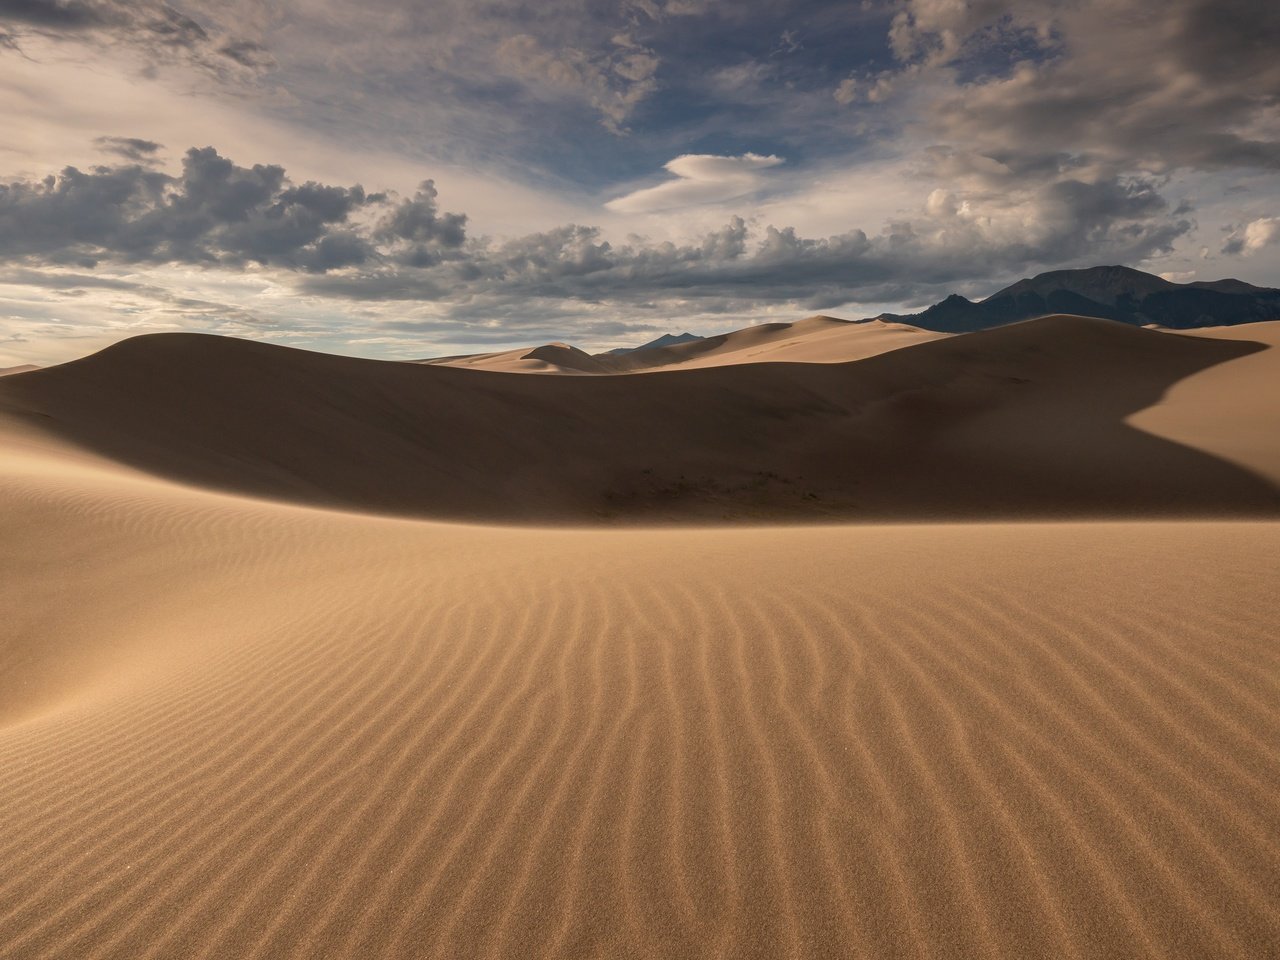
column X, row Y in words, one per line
column 1024, row 421
column 254, row 728
column 558, row 358
column 813, row 340
column 21, row 368
column 1231, row 411
column 240, row 729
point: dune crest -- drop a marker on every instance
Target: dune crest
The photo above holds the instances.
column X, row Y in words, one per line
column 1023, row 421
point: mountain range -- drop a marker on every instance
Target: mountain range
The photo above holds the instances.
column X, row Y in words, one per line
column 1110, row 292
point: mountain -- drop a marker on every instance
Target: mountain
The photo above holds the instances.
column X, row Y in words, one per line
column 666, row 340
column 1113, row 293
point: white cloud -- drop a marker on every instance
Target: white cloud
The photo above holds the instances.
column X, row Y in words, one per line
column 1253, row 236
column 700, row 179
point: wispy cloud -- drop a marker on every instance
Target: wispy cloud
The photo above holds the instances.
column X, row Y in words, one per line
column 699, row 178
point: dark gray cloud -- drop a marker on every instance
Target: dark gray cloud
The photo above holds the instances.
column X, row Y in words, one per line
column 159, row 31
column 1178, row 84
column 65, row 14
column 364, row 246
column 131, row 148
column 1077, row 222
column 416, row 233
column 214, row 212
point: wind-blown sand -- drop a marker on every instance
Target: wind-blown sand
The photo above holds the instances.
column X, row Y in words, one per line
column 242, row 728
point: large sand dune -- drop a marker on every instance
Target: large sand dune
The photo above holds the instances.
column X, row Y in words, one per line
column 812, row 340
column 240, row 729
column 1027, row 420
column 254, row 728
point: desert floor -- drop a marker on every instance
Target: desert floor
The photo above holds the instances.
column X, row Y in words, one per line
column 233, row 726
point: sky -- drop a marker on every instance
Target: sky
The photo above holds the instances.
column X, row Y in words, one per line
column 404, row 179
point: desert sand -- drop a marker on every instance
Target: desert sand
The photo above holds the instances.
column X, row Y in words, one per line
column 812, row 340
column 1023, row 421
column 243, row 715
column 1231, row 411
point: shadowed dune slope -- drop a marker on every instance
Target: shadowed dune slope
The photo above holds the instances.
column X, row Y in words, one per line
column 234, row 728
column 1027, row 420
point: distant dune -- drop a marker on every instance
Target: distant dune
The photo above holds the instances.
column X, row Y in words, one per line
column 813, row 340
column 549, row 358
column 23, row 368
column 1027, row 420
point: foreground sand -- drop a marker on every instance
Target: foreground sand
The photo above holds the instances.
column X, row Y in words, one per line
column 233, row 728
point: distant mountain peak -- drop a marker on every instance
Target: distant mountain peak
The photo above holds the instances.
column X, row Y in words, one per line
column 1111, row 292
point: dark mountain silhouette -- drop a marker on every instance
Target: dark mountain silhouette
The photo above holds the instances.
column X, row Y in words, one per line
column 1113, row 293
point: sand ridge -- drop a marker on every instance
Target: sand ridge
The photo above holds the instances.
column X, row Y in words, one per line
column 1024, row 421
column 817, row 339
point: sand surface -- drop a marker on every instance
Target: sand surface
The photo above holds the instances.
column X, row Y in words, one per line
column 555, row 358
column 1231, row 411
column 1024, row 421
column 255, row 728
column 242, row 729
column 812, row 340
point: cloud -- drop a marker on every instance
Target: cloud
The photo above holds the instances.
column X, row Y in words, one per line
column 1072, row 220
column 1183, row 84
column 846, row 92
column 700, row 178
column 1253, row 236
column 613, row 81
column 373, row 247
column 215, row 212
column 67, row 14
column 131, row 148
column 159, row 32
column 416, row 233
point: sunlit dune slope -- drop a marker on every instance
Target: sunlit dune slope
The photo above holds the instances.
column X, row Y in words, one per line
column 1026, row 420
column 232, row 728
column 1231, row 410
column 813, row 340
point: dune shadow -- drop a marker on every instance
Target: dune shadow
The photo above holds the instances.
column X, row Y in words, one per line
column 1022, row 421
